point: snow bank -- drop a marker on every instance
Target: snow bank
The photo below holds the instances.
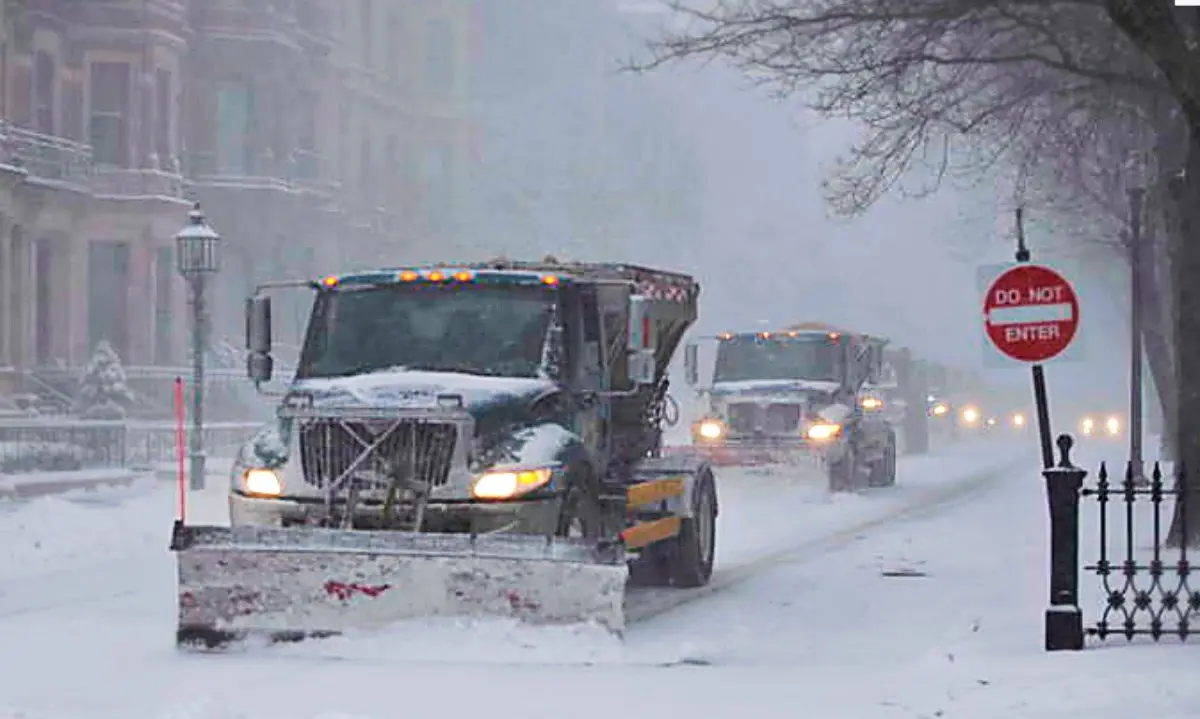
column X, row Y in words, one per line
column 53, row 533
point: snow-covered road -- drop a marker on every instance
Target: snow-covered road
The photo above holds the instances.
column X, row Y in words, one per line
column 87, row 615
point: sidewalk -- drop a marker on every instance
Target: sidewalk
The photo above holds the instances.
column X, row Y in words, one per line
column 42, row 484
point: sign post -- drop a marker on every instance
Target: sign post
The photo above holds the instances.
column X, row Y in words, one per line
column 1031, row 314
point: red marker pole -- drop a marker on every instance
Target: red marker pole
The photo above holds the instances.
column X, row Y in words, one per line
column 180, row 451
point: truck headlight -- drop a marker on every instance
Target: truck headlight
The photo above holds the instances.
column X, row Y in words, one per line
column 1113, row 425
column 262, row 483
column 509, row 484
column 970, row 415
column 710, row 429
column 1087, row 425
column 823, row 431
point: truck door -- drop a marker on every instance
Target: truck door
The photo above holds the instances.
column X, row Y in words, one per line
column 592, row 376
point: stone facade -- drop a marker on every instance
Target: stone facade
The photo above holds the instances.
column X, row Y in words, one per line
column 316, row 134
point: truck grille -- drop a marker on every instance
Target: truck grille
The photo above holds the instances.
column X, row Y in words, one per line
column 743, row 417
column 417, row 450
column 776, row 418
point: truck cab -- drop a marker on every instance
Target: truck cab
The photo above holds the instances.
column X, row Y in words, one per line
column 806, row 391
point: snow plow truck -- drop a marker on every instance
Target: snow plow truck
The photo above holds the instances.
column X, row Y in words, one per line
column 808, row 393
column 458, row 440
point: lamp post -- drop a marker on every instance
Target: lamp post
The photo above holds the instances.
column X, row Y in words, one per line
column 1136, row 192
column 196, row 256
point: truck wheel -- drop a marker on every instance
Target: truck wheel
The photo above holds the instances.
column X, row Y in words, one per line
column 843, row 473
column 695, row 548
column 883, row 473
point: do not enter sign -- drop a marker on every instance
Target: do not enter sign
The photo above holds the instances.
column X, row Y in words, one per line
column 1031, row 313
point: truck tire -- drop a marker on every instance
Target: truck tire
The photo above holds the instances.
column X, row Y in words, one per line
column 691, row 562
column 843, row 473
column 883, row 472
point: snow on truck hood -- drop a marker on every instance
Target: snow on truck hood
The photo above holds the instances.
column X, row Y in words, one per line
column 413, row 389
column 767, row 386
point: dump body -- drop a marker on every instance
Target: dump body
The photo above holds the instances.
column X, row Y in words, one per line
column 462, row 435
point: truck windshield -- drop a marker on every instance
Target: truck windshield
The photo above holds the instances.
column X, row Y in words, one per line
column 803, row 358
column 472, row 329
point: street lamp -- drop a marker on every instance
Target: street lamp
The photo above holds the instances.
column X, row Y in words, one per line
column 196, row 256
column 1136, row 191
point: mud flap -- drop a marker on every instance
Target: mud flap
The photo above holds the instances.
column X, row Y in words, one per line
column 288, row 584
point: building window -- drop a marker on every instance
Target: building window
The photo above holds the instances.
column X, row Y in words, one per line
column 162, row 117
column 366, row 15
column 164, row 325
column 235, row 128
column 440, row 67
column 438, row 179
column 366, row 174
column 44, row 77
column 395, row 43
column 108, row 112
column 108, row 295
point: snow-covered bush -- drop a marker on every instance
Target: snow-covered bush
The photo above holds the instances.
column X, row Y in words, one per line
column 103, row 391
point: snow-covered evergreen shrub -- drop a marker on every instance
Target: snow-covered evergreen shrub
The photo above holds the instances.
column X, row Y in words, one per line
column 103, row 392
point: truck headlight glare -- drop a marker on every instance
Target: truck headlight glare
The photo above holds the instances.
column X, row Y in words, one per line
column 711, row 429
column 823, row 431
column 1113, row 425
column 262, row 483
column 970, row 415
column 508, row 484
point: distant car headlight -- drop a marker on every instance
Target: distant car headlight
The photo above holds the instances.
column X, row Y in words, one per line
column 871, row 403
column 1113, row 425
column 939, row 410
column 1087, row 425
column 1018, row 420
column 970, row 415
column 710, row 429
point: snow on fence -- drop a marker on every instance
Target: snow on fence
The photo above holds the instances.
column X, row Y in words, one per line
column 56, row 444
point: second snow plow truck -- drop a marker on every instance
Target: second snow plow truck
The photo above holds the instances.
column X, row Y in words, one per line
column 809, row 391
column 460, row 440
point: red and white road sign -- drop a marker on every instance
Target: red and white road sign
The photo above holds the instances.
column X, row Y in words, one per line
column 1031, row 313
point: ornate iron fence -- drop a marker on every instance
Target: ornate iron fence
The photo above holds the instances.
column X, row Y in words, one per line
column 1145, row 585
column 60, row 444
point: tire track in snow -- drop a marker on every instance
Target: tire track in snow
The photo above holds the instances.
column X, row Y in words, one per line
column 644, row 605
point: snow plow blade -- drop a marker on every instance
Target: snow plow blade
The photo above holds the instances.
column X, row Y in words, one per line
column 275, row 584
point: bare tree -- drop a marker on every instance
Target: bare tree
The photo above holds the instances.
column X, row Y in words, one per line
column 958, row 86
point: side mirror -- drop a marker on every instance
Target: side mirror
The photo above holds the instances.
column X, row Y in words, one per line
column 691, row 367
column 259, row 364
column 258, row 324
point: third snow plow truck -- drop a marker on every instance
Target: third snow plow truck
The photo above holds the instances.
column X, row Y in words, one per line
column 457, row 441
column 807, row 392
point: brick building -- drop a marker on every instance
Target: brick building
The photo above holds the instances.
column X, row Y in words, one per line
column 315, row 133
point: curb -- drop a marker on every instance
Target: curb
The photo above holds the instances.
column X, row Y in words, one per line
column 33, row 490
column 661, row 601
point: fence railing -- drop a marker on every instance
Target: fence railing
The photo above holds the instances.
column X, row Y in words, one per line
column 1143, row 571
column 31, row 445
